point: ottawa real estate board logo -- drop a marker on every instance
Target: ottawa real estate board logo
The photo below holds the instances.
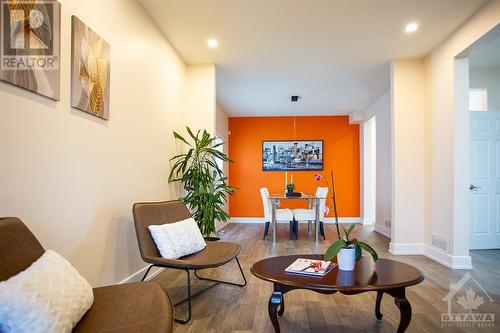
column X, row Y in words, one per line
column 27, row 35
column 467, row 302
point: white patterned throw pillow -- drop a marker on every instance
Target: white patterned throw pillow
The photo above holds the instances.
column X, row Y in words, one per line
column 178, row 239
column 50, row 296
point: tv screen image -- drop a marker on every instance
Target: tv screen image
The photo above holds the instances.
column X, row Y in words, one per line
column 297, row 155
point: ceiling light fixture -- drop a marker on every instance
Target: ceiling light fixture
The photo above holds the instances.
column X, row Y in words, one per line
column 411, row 27
column 212, row 43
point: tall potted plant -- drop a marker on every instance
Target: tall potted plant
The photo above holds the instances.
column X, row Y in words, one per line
column 204, row 183
column 347, row 250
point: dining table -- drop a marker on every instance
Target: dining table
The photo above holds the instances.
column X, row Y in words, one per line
column 313, row 200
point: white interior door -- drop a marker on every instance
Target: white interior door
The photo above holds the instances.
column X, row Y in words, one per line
column 485, row 180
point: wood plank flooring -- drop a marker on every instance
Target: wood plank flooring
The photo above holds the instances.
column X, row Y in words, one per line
column 225, row 308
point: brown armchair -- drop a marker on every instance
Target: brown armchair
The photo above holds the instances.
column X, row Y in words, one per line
column 123, row 308
column 215, row 254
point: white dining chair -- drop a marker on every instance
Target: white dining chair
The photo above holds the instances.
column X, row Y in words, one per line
column 309, row 215
column 283, row 214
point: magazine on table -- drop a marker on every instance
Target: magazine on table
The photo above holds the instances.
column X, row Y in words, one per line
column 310, row 267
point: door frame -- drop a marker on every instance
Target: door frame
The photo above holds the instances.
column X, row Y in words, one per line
column 369, row 177
column 461, row 162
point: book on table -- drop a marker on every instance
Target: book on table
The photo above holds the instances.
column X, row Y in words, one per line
column 310, row 267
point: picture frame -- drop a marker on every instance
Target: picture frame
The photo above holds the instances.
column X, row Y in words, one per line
column 90, row 70
column 292, row 155
column 30, row 46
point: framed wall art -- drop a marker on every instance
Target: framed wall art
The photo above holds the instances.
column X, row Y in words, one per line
column 90, row 70
column 298, row 155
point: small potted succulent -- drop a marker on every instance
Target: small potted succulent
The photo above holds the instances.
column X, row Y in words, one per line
column 347, row 250
column 290, row 188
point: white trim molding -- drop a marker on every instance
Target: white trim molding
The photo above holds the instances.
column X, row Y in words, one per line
column 368, row 221
column 431, row 252
column 137, row 276
column 328, row 220
column 399, row 249
column 446, row 259
column 383, row 230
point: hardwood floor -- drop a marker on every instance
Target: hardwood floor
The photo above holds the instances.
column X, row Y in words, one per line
column 226, row 308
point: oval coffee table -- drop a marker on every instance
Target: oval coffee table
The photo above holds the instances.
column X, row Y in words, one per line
column 384, row 276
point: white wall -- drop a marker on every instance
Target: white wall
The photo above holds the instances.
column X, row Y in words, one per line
column 72, row 178
column 222, row 127
column 408, row 154
column 489, row 78
column 381, row 109
column 200, row 103
column 431, row 154
column 448, row 151
column 222, row 131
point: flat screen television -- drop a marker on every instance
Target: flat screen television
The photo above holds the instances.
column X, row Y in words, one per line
column 296, row 155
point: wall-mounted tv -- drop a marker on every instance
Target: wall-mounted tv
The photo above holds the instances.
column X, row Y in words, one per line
column 297, row 155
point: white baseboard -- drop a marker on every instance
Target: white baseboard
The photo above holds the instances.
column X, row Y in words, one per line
column 368, row 221
column 383, row 230
column 446, row 259
column 220, row 225
column 262, row 220
column 438, row 255
column 349, row 220
column 461, row 262
column 406, row 249
column 137, row 276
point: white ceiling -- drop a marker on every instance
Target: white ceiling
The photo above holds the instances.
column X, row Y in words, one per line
column 333, row 53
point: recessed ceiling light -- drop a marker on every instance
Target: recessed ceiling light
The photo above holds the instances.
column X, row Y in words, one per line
column 411, row 27
column 212, row 43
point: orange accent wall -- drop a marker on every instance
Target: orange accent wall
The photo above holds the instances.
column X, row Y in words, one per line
column 341, row 154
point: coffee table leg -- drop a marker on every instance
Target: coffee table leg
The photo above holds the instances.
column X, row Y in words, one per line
column 404, row 309
column 275, row 301
column 378, row 314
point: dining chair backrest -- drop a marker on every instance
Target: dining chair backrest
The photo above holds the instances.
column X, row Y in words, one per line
column 322, row 192
column 264, row 193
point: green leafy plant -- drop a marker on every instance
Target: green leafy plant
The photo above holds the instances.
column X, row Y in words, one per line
column 346, row 243
column 204, row 183
column 290, row 187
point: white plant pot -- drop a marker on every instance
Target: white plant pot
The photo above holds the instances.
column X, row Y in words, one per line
column 346, row 259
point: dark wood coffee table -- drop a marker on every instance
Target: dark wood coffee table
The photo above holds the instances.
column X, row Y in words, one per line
column 384, row 276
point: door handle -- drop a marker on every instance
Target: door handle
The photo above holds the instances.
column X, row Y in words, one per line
column 474, row 187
